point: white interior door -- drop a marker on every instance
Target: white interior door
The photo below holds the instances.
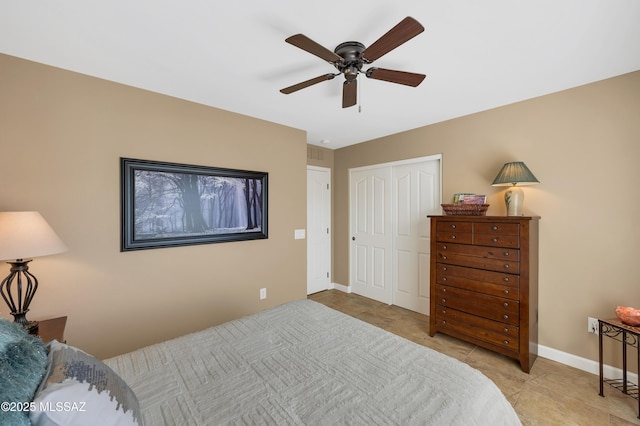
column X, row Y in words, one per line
column 370, row 206
column 416, row 195
column 318, row 229
column 389, row 204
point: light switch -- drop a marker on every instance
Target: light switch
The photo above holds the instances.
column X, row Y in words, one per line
column 299, row 234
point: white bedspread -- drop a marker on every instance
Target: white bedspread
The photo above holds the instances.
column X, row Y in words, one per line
column 303, row 363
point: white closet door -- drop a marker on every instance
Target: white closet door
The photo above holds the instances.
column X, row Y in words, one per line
column 370, row 199
column 416, row 195
column 390, row 232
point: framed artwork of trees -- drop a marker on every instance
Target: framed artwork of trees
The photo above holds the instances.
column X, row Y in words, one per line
column 168, row 204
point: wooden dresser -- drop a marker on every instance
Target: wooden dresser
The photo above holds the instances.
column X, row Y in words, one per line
column 484, row 282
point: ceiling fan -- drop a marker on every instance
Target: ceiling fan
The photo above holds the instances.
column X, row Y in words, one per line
column 349, row 58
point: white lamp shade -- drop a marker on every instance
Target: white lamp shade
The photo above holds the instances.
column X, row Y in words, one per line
column 25, row 235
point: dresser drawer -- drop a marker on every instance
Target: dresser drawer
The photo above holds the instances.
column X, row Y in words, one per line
column 497, row 228
column 493, row 283
column 511, row 241
column 455, row 237
column 480, row 251
column 445, row 226
column 458, row 232
column 495, row 308
column 504, row 335
column 496, row 234
column 498, row 265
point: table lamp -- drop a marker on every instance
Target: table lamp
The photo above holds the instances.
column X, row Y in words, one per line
column 24, row 235
column 514, row 173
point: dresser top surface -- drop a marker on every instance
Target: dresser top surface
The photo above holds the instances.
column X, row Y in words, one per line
column 485, row 218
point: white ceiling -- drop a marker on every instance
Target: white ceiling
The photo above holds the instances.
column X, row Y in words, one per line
column 232, row 55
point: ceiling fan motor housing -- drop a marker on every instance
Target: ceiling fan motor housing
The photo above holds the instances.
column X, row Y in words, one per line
column 351, row 53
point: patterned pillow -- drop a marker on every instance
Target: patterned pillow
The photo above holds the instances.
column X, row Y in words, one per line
column 78, row 389
column 23, row 359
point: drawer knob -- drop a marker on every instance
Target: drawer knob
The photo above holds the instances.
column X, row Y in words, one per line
column 505, row 291
column 505, row 304
column 444, row 247
column 453, row 237
column 444, row 268
column 453, row 226
column 444, row 290
column 444, row 312
column 506, row 330
column 444, row 300
column 505, row 316
column 505, row 279
column 444, row 279
column 506, row 253
column 443, row 257
column 444, row 322
column 506, row 266
column 506, row 342
column 494, row 227
column 495, row 240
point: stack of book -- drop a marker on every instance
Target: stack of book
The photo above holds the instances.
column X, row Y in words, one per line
column 469, row 199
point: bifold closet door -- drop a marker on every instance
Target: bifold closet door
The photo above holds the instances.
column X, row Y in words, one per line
column 416, row 194
column 390, row 233
column 370, row 207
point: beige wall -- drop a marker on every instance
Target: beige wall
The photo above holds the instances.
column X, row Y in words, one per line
column 62, row 135
column 319, row 156
column 583, row 145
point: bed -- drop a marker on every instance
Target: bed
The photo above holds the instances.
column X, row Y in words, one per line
column 300, row 363
column 303, row 363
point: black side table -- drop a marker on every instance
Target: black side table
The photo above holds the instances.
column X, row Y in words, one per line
column 628, row 336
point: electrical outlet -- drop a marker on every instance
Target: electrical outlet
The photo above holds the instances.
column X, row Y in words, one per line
column 592, row 325
column 263, row 293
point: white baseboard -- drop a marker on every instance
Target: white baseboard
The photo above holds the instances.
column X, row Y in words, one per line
column 565, row 358
column 584, row 364
column 343, row 288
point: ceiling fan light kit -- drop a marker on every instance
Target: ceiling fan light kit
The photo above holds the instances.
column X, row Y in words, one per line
column 349, row 58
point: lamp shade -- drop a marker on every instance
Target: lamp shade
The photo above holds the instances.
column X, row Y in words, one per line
column 26, row 235
column 515, row 173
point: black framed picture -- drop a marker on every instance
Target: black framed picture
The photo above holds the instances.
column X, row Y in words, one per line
column 168, row 204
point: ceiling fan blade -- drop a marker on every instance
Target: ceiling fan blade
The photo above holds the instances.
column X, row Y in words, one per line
column 349, row 93
column 392, row 76
column 307, row 83
column 407, row 29
column 305, row 43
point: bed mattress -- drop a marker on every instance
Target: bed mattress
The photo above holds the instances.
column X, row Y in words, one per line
column 303, row 363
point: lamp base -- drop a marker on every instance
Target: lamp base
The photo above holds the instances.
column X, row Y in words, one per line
column 514, row 198
column 23, row 292
column 21, row 319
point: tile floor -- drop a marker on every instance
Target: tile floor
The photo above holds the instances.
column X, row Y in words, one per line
column 552, row 394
